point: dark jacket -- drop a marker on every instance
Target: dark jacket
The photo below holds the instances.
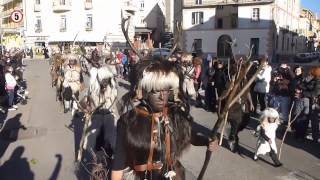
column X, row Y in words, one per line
column 286, row 73
column 297, row 81
column 312, row 88
column 220, row 80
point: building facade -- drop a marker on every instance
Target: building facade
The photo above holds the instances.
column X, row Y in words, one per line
column 50, row 22
column 269, row 26
column 11, row 33
column 309, row 28
column 150, row 19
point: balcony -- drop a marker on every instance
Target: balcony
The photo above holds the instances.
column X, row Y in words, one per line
column 88, row 5
column 205, row 3
column 62, row 5
column 129, row 7
column 37, row 8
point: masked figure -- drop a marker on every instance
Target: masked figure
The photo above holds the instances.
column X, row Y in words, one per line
column 71, row 84
column 152, row 135
column 103, row 101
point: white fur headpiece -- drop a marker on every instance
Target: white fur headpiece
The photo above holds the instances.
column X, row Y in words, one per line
column 104, row 73
column 155, row 81
column 271, row 113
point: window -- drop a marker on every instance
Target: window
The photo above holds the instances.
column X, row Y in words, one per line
column 38, row 26
column 198, row 2
column 288, row 44
column 62, row 2
column 256, row 14
column 37, row 1
column 141, row 5
column 220, row 23
column 63, row 24
column 197, row 18
column 219, row 7
column 255, row 43
column 234, row 20
column 89, row 22
column 197, row 44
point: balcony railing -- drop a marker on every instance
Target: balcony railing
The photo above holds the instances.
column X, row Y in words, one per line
column 192, row 3
column 62, row 5
column 37, row 8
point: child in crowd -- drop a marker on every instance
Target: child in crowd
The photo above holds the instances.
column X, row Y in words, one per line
column 301, row 111
column 267, row 135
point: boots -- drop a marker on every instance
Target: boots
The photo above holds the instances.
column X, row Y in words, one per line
column 275, row 159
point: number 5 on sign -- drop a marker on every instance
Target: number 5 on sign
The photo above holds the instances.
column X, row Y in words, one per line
column 16, row 16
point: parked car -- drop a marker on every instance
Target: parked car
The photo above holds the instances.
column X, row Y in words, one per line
column 303, row 58
column 156, row 52
column 314, row 56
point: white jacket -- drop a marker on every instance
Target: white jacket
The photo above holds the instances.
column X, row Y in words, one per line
column 10, row 81
column 263, row 80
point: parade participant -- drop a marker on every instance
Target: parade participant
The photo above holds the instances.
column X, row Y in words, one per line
column 103, row 95
column 188, row 74
column 11, row 83
column 267, row 135
column 72, row 83
column 217, row 81
column 152, row 136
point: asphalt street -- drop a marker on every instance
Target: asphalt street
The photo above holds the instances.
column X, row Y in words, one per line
column 36, row 144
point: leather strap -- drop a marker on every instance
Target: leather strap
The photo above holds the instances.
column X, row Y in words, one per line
column 144, row 167
column 149, row 166
column 167, row 139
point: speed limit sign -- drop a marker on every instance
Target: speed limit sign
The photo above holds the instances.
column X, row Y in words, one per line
column 16, row 16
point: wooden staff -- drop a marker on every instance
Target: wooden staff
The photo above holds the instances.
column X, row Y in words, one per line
column 287, row 129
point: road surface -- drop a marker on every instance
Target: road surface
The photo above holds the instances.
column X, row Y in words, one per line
column 36, row 144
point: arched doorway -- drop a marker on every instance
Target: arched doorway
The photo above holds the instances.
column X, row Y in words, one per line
column 224, row 48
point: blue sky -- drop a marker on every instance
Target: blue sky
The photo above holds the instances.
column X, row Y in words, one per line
column 313, row 5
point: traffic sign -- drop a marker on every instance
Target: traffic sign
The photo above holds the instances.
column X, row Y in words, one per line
column 16, row 16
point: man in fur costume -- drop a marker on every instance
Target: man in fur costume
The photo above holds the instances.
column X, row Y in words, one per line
column 152, row 136
column 188, row 73
column 103, row 98
column 72, row 83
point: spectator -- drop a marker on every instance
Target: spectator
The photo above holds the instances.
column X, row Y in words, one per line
column 262, row 86
column 119, row 64
column 197, row 62
column 301, row 110
column 311, row 89
column 10, row 87
column 286, row 72
column 3, row 93
column 281, row 92
column 125, row 64
column 297, row 81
